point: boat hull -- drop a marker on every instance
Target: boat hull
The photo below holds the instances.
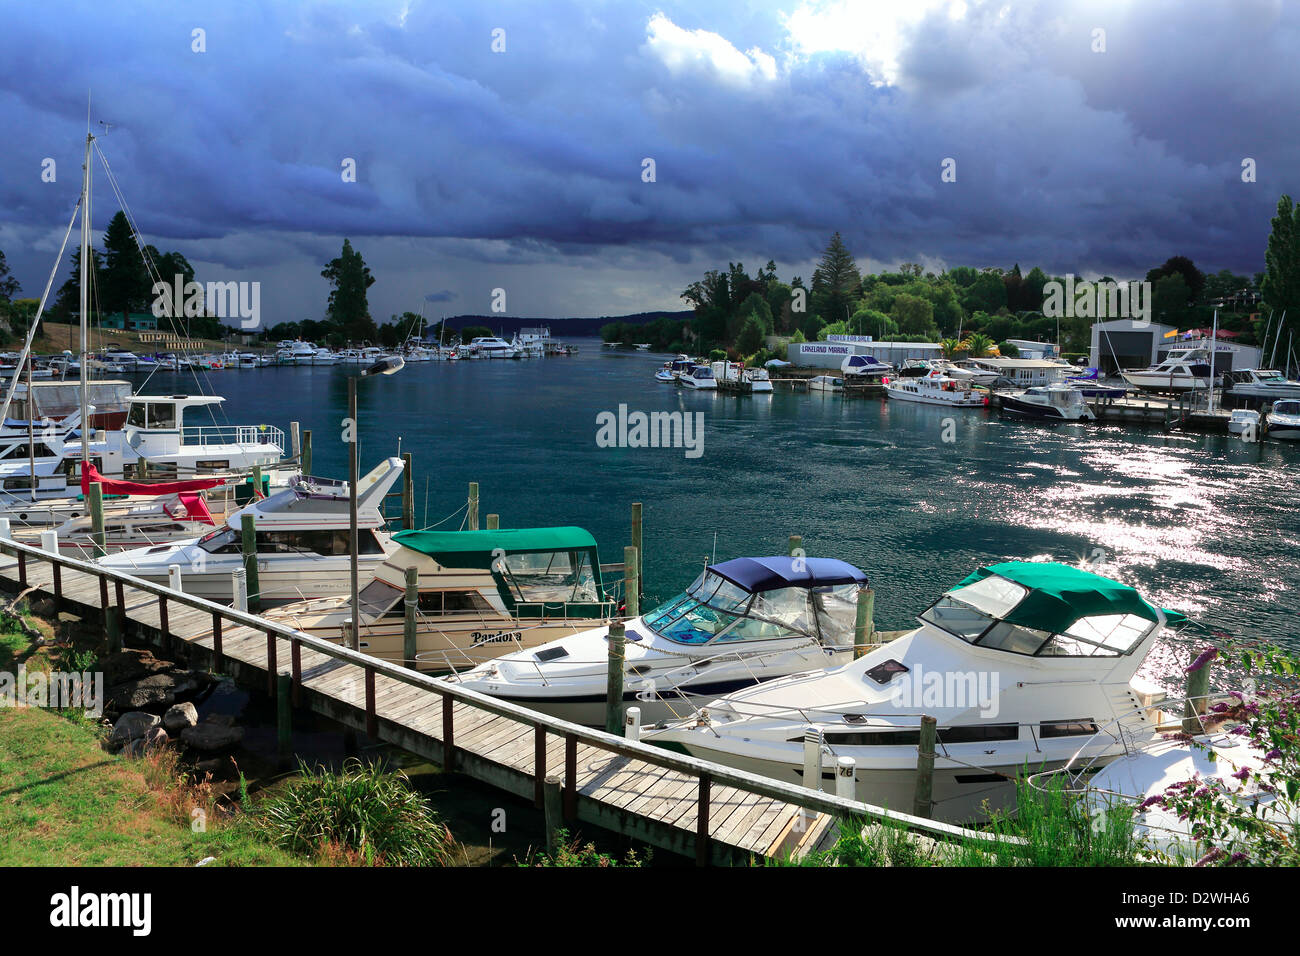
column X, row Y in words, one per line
column 1030, row 411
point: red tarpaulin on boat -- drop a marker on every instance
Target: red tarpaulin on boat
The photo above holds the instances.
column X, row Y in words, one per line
column 196, row 509
column 91, row 473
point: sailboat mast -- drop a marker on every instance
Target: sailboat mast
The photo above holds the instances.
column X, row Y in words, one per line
column 85, row 286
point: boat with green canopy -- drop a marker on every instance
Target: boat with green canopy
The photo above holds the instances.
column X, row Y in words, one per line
column 481, row 595
column 1019, row 663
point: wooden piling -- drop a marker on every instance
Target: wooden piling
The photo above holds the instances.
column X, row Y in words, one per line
column 493, row 522
column 636, row 543
column 306, row 451
column 97, row 536
column 295, row 440
column 631, row 592
column 553, row 807
column 1196, row 692
column 864, row 625
column 408, row 493
column 473, row 506
column 796, row 544
column 614, row 686
column 113, row 625
column 409, row 620
column 248, row 545
column 923, row 805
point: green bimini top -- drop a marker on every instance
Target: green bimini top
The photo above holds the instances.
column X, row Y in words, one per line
column 1059, row 595
column 511, row 541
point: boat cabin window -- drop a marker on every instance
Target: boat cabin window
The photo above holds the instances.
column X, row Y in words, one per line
column 1286, row 408
column 453, row 602
column 37, row 450
column 380, row 599
column 220, row 541
column 316, row 542
column 549, row 576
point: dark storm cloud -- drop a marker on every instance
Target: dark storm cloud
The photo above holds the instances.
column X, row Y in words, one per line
column 766, row 136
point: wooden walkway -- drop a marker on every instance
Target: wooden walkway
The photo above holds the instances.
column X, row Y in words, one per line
column 688, row 806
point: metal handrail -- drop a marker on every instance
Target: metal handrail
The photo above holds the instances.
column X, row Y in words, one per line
column 708, row 773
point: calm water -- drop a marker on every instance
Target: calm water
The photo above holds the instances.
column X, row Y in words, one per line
column 1204, row 524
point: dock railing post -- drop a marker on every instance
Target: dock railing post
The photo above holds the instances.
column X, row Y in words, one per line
column 553, row 808
column 614, row 687
column 410, row 621
column 408, row 493
column 472, row 514
column 295, row 440
column 305, row 461
column 923, row 804
column 5, row 533
column 97, row 537
column 248, row 545
column 864, row 625
column 1197, row 691
column 283, row 716
column 636, row 543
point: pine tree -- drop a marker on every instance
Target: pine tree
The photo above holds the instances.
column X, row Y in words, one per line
column 1281, row 285
column 124, row 285
column 348, row 309
column 836, row 281
column 9, row 287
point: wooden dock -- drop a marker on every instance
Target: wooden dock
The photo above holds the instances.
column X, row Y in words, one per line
column 712, row 813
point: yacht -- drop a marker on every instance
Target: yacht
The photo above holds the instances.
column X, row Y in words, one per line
column 742, row 622
column 296, row 353
column 1259, row 383
column 825, row 383
column 864, row 368
column 302, row 542
column 935, row 388
column 1019, row 663
column 489, row 346
column 1284, row 420
column 1182, row 370
column 697, row 376
column 671, row 371
column 481, row 594
column 1057, row 403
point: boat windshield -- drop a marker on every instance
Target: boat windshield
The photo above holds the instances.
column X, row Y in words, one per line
column 975, row 613
column 377, row 598
column 550, row 576
column 220, row 540
column 715, row 609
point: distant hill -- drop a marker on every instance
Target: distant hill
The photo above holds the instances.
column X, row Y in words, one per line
column 573, row 328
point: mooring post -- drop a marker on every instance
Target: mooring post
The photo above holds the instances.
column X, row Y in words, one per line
column 923, row 805
column 614, row 686
column 408, row 493
column 1197, row 694
column 257, row 481
column 812, row 757
column 5, row 533
column 553, row 807
column 631, row 593
column 97, row 537
column 284, row 715
column 248, row 545
column 640, row 552
column 796, row 544
column 174, row 577
column 493, row 522
column 410, row 619
column 473, row 506
column 295, row 440
column 632, row 724
column 305, row 461
column 864, row 625
column 239, row 588
column 846, row 784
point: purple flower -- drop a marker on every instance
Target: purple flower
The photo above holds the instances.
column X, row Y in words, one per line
column 1243, row 774
column 1273, row 754
column 1219, row 708
column 1151, row 801
column 1207, row 655
column 1210, row 857
column 1237, row 857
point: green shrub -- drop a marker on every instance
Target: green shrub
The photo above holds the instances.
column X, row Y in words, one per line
column 573, row 853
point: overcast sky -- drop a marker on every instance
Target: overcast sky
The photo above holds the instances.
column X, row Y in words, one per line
column 770, row 124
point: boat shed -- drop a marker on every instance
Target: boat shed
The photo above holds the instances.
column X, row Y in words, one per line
column 1133, row 343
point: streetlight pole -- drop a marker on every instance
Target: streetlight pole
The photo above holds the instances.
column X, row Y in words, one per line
column 384, row 367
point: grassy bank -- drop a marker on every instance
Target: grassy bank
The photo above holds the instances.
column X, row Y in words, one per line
column 64, row 800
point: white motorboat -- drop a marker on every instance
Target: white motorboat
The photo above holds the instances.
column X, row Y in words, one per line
column 758, row 380
column 1182, row 370
column 489, row 346
column 698, row 377
column 1018, row 664
column 1053, row 403
column 1244, row 421
column 481, row 594
column 1284, row 420
column 936, row 388
column 825, row 383
column 742, row 622
column 296, row 353
column 864, row 368
column 302, row 542
column 1259, row 383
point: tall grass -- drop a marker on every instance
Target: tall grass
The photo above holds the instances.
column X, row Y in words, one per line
column 359, row 814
